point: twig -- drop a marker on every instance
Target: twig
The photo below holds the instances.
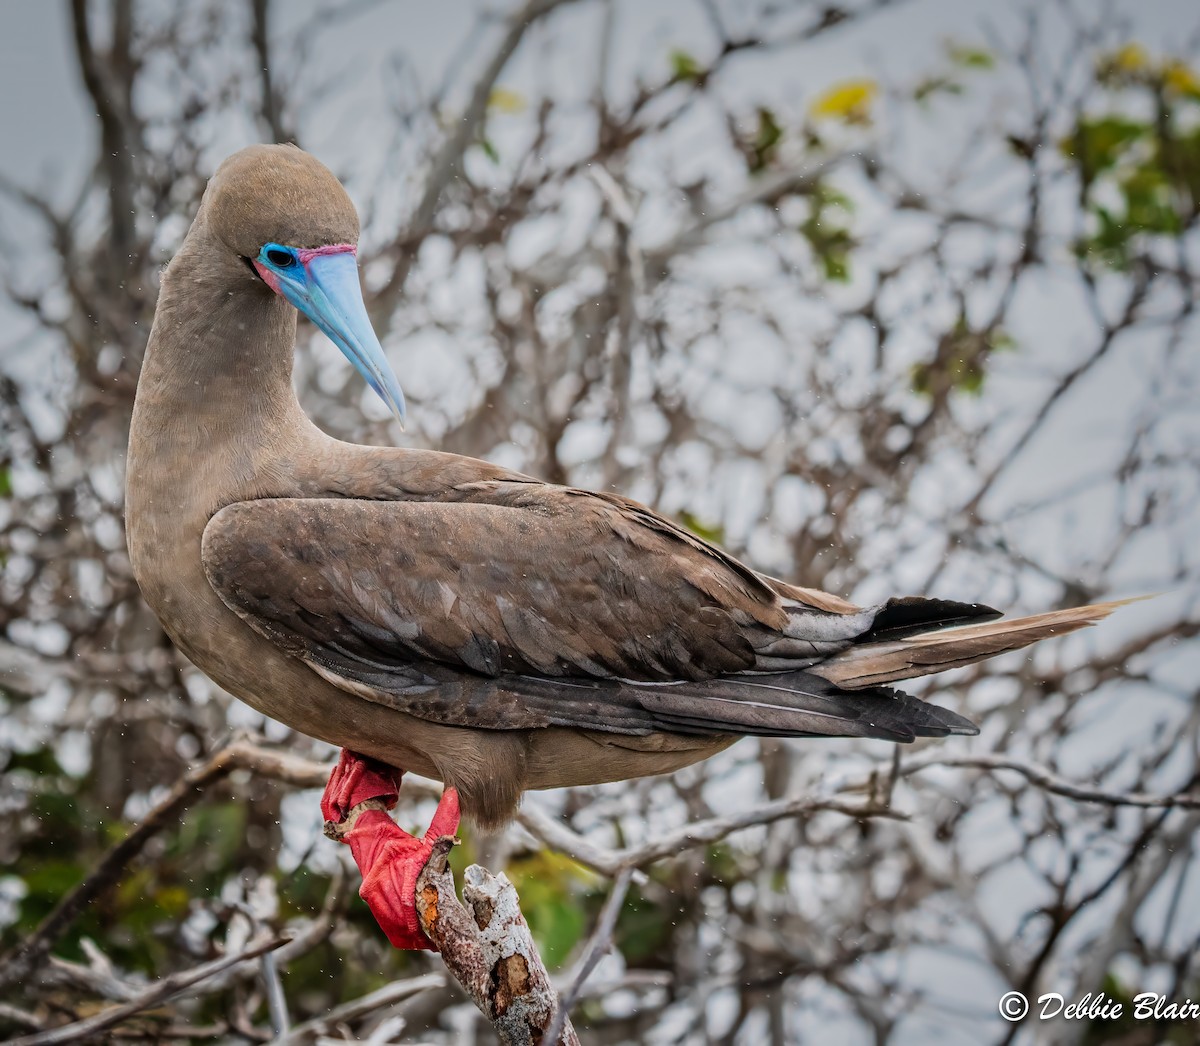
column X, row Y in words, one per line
column 380, row 999
column 108, row 80
column 598, row 944
column 1052, row 782
column 766, row 189
column 557, row 836
column 16, row 1015
column 276, row 1000
column 100, row 978
column 158, row 992
column 237, row 755
column 613, row 862
column 27, row 672
column 272, row 109
column 487, row 947
column 450, row 153
column 26, row 956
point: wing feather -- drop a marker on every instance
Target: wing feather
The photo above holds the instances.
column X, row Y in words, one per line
column 519, row 606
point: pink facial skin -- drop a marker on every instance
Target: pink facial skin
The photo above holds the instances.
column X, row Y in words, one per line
column 306, row 254
column 268, row 277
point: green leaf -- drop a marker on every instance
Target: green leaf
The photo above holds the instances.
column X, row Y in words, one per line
column 1148, row 203
column 685, row 68
column 5, row 483
column 1112, row 1029
column 48, row 880
column 999, row 340
column 933, row 85
column 211, row 836
column 766, row 139
column 959, row 364
column 970, row 57
column 489, row 150
column 302, row 892
column 837, row 266
column 552, row 890
column 713, row 532
column 827, row 196
column 1099, row 145
column 1184, row 170
column 830, row 240
column 645, row 926
column 41, row 762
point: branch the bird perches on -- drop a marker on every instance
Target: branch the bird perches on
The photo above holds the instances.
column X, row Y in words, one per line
column 486, row 943
column 487, row 946
column 407, row 885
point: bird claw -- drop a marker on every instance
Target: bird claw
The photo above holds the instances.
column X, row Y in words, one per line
column 389, row 859
column 355, row 780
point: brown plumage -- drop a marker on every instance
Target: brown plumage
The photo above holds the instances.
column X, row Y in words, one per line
column 449, row 616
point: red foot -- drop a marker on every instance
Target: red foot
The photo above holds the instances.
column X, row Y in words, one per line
column 388, row 858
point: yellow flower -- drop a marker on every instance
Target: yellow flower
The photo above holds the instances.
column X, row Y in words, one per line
column 504, row 100
column 849, row 100
column 1181, row 79
column 1131, row 58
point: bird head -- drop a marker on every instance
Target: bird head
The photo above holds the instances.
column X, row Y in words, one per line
column 287, row 216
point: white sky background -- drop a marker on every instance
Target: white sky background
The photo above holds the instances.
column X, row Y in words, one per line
column 48, row 134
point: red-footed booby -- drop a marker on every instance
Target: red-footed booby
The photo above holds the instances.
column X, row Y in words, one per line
column 435, row 613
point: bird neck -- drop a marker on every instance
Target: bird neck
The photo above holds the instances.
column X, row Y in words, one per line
column 215, row 399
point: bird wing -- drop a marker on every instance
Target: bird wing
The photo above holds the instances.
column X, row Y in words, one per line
column 518, row 606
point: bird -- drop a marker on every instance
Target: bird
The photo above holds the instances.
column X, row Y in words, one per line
column 440, row 614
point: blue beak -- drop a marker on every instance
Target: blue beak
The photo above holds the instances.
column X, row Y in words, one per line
column 330, row 295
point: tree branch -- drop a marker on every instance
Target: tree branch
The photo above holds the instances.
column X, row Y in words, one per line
column 599, row 942
column 158, row 992
column 449, row 155
column 380, row 999
column 1049, row 781
column 237, row 755
column 490, row 951
column 272, row 110
column 612, row 862
column 109, row 88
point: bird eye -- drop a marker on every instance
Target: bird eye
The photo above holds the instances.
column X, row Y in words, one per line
column 280, row 258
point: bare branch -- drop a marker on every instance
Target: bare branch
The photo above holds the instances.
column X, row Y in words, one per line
column 272, row 105
column 109, row 81
column 27, row 955
column 449, row 155
column 158, row 992
column 237, row 755
column 768, row 188
column 599, row 942
column 698, row 833
column 1051, row 782
column 378, row 1000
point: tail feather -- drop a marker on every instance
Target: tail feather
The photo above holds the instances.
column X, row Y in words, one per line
column 872, row 663
column 903, row 616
